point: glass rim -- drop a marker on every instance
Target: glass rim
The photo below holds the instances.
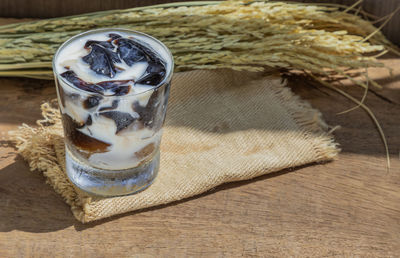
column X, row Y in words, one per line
column 165, row 81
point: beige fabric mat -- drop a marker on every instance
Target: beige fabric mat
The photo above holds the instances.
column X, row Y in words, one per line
column 221, row 126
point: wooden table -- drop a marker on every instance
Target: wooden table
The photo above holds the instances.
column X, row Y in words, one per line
column 347, row 207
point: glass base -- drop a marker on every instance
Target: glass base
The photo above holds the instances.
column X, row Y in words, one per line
column 102, row 182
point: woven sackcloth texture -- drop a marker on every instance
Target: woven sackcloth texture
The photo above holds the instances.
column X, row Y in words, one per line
column 221, row 126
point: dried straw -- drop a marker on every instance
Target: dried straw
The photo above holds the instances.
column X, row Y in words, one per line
column 240, row 35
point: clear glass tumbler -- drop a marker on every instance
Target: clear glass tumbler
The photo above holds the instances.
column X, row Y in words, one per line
column 112, row 143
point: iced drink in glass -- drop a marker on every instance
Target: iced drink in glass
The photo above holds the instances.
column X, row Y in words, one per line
column 113, row 87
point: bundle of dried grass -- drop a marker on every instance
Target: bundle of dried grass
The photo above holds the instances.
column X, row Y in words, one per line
column 240, row 35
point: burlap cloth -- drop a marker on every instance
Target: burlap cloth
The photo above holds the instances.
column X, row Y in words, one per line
column 221, row 126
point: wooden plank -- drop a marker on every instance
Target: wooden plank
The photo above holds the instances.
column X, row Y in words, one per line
column 349, row 207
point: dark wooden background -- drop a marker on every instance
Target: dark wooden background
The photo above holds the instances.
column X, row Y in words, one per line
column 54, row 8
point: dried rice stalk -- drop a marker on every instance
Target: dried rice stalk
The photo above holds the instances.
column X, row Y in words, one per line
column 240, row 35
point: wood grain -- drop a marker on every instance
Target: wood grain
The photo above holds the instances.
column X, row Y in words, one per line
column 50, row 8
column 349, row 207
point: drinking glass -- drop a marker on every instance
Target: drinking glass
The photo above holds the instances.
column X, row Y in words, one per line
column 123, row 156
